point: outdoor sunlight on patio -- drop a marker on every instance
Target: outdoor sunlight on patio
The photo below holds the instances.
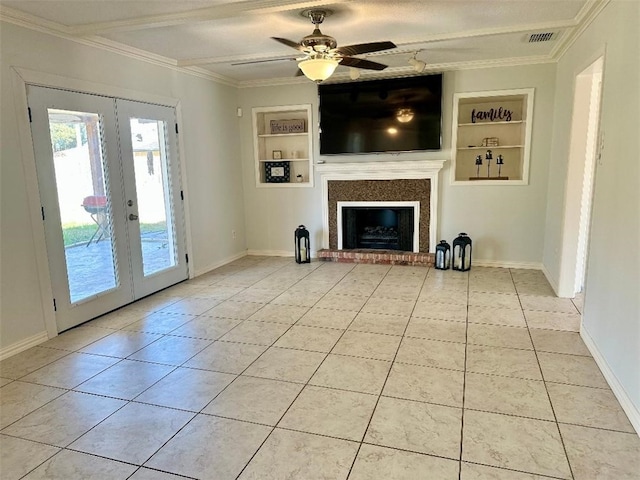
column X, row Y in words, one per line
column 84, row 201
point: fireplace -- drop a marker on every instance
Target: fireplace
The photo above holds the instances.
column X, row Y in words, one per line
column 388, row 184
column 378, row 225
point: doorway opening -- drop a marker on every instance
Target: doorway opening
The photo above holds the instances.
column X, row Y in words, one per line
column 586, row 141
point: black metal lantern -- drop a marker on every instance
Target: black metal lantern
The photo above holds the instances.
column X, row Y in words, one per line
column 462, row 253
column 301, row 239
column 443, row 255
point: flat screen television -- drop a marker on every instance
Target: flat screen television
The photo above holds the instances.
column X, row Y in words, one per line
column 389, row 115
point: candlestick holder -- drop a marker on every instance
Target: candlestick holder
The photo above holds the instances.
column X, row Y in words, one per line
column 478, row 164
column 488, row 156
column 499, row 162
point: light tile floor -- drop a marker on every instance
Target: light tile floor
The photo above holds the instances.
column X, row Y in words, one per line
column 264, row 369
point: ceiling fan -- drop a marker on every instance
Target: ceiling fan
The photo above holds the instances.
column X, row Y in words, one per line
column 322, row 54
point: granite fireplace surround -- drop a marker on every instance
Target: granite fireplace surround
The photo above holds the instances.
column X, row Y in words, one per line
column 380, row 181
column 397, row 190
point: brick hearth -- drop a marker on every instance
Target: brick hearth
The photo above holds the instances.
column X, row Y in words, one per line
column 386, row 257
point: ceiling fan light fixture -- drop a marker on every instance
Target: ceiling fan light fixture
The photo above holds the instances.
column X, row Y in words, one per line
column 318, row 69
column 404, row 115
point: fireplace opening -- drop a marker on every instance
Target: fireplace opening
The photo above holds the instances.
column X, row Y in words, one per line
column 381, row 228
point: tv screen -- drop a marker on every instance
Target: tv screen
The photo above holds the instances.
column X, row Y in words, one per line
column 390, row 115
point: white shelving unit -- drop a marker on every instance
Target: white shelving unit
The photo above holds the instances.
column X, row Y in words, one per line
column 294, row 167
column 478, row 117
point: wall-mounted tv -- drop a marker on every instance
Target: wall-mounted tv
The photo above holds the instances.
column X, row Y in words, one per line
column 389, row 115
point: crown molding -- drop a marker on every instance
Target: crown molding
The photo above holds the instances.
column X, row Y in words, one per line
column 585, row 17
column 402, row 48
column 407, row 71
column 31, row 22
column 573, row 29
column 484, row 32
column 160, row 60
column 247, row 7
column 268, row 57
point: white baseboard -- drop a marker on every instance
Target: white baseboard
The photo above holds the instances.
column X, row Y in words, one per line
column 23, row 345
column 477, row 263
column 213, row 266
column 501, row 264
column 632, row 411
column 277, row 253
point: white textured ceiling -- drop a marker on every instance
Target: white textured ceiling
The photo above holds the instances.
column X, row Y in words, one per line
column 209, row 36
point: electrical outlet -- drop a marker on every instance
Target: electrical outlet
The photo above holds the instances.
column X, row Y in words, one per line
column 233, row 234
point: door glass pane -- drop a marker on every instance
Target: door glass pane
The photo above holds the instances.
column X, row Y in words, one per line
column 150, row 158
column 84, row 202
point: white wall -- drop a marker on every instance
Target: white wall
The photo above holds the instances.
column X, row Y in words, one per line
column 505, row 222
column 612, row 291
column 272, row 214
column 210, row 151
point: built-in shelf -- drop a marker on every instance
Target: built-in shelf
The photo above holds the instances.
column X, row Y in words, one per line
column 490, row 148
column 499, row 121
column 283, row 159
column 266, row 135
column 286, row 160
column 485, row 123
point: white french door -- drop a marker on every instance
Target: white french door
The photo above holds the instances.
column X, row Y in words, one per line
column 109, row 180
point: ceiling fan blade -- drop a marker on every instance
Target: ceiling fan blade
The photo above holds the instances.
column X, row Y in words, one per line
column 365, row 48
column 289, row 43
column 263, row 61
column 361, row 63
column 299, row 73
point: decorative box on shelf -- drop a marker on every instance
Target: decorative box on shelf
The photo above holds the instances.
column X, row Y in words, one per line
column 277, row 172
column 490, row 142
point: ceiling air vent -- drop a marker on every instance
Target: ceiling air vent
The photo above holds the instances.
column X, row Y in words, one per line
column 541, row 37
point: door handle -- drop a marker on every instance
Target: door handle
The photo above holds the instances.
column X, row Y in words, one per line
column 133, row 217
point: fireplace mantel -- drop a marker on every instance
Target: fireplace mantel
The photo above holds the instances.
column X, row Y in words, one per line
column 422, row 169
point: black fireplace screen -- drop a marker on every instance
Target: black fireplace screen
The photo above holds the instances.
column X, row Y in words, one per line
column 378, row 228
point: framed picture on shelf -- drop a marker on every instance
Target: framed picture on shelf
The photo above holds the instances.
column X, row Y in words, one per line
column 277, row 154
column 276, row 172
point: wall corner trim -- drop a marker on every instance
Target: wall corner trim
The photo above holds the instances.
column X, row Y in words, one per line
column 632, row 411
column 23, row 345
column 550, row 279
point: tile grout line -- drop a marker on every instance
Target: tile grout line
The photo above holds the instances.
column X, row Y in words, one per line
column 219, row 393
column 304, row 385
column 244, row 289
column 317, row 368
column 553, row 410
column 127, row 402
column 464, row 379
column 375, row 407
column 194, row 415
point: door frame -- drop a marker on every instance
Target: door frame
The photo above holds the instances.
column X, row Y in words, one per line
column 21, row 77
column 585, row 145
